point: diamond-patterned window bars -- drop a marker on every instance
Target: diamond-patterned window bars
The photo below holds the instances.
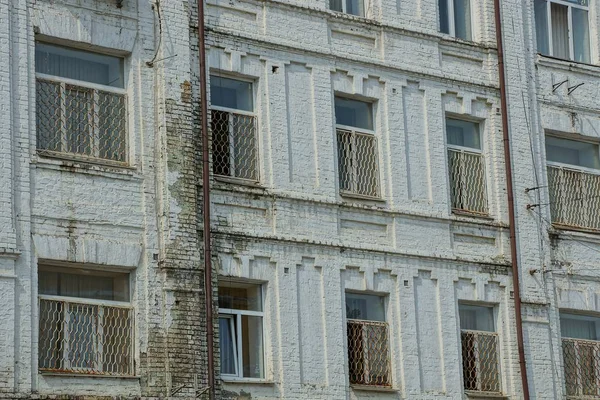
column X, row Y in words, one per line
column 481, row 364
column 368, row 353
column 80, row 118
column 466, row 170
column 358, row 167
column 574, row 197
column 234, row 143
column 85, row 336
column 582, row 368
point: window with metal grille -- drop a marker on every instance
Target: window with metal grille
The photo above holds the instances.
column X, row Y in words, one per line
column 354, row 7
column 85, row 322
column 574, row 182
column 562, row 29
column 80, row 103
column 455, row 18
column 466, row 167
column 480, row 349
column 241, row 329
column 368, row 342
column 234, row 136
column 581, row 355
column 358, row 166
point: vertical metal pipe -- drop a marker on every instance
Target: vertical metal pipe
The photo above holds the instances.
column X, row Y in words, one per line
column 208, row 291
column 511, row 202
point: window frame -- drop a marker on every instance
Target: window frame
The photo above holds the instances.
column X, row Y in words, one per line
column 93, row 128
column 573, row 167
column 354, row 131
column 550, row 43
column 345, row 8
column 235, row 316
column 452, row 23
column 230, row 111
column 98, row 338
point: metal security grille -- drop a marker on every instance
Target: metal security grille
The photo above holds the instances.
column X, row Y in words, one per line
column 467, row 181
column 88, row 338
column 582, row 368
column 80, row 120
column 357, row 163
column 368, row 353
column 481, row 370
column 574, row 198
column 235, row 146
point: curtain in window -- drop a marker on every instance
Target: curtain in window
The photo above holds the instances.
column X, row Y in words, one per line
column 581, row 35
column 226, row 338
column 541, row 26
column 578, row 329
column 560, row 31
column 355, row 7
column 462, row 19
column 444, row 25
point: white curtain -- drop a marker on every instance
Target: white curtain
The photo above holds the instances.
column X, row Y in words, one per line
column 581, row 35
column 462, row 19
column 560, row 31
column 226, row 338
column 578, row 328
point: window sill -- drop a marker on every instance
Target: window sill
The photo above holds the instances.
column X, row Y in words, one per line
column 251, row 381
column 580, row 231
column 237, row 181
column 567, row 64
column 84, row 166
column 82, row 375
column 355, row 196
column 369, row 388
column 484, row 395
column 473, row 215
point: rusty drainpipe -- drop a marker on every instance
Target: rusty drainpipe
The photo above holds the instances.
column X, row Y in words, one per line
column 208, row 291
column 511, row 203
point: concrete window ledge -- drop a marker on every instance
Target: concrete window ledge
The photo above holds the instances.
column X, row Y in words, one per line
column 68, row 375
column 483, row 395
column 243, row 381
column 369, row 388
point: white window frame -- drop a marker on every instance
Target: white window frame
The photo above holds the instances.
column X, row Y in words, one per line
column 345, row 8
column 93, row 116
column 452, row 25
column 235, row 314
column 230, row 111
column 570, row 7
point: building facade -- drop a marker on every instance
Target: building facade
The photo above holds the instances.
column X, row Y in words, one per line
column 360, row 222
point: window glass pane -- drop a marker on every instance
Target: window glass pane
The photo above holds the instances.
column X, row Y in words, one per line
column 365, row 306
column 476, row 318
column 560, row 31
column 573, row 152
column 581, row 35
column 84, row 284
column 444, row 19
column 541, row 26
column 335, row 5
column 463, row 133
column 354, row 113
column 578, row 327
column 227, row 345
column 462, row 19
column 355, row 7
column 77, row 64
column 579, row 2
column 231, row 93
column 252, row 346
column 240, row 296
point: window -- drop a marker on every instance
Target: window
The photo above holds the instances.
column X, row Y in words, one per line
column 80, row 103
column 455, row 18
column 574, row 182
column 581, row 354
column 354, row 7
column 368, row 343
column 481, row 368
column 241, row 330
column 85, row 322
column 466, row 167
column 562, row 29
column 357, row 148
column 235, row 143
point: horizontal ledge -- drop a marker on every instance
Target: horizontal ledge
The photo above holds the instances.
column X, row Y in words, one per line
column 247, row 381
column 373, row 388
column 83, row 375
